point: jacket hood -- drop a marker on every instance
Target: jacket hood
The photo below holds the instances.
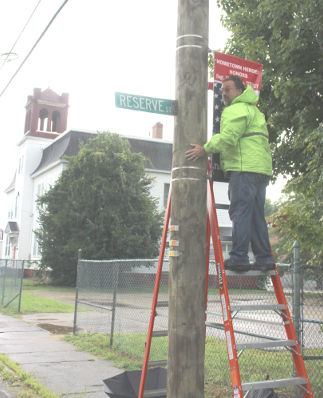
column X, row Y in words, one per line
column 248, row 96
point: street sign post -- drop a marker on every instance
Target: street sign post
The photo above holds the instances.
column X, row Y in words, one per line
column 146, row 104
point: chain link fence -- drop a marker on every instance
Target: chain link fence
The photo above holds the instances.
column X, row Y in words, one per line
column 11, row 275
column 118, row 297
column 311, row 323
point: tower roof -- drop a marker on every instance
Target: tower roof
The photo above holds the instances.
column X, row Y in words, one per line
column 50, row 95
column 46, row 113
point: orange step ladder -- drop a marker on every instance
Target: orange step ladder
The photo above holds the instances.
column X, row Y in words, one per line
column 240, row 390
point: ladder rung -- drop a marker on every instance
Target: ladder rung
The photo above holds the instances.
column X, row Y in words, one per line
column 214, row 325
column 252, row 320
column 257, row 307
column 258, row 385
column 155, row 393
column 165, row 273
column 161, row 362
column 162, row 304
column 250, row 273
column 244, row 319
column 160, row 333
column 265, row 344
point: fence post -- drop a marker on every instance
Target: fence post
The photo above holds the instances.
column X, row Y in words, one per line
column 4, row 280
column 22, row 277
column 115, row 288
column 297, row 302
column 76, row 291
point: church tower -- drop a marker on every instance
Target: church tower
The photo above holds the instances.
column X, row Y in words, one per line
column 46, row 120
column 46, row 114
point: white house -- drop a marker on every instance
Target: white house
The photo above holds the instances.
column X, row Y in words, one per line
column 40, row 162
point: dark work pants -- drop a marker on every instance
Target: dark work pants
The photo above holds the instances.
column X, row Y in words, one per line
column 247, row 194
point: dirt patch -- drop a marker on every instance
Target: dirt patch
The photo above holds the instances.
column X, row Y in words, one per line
column 55, row 329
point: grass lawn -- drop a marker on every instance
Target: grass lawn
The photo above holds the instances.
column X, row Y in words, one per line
column 31, row 303
column 34, row 303
column 128, row 352
column 31, row 284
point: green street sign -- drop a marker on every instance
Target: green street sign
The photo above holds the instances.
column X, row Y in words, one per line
column 146, row 104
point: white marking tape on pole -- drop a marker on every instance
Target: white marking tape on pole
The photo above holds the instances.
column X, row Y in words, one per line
column 200, row 37
column 188, row 167
column 189, row 45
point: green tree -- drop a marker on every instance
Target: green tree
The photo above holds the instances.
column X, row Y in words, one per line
column 270, row 207
column 287, row 38
column 299, row 217
column 101, row 203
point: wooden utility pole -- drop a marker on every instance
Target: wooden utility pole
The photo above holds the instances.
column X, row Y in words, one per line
column 186, row 326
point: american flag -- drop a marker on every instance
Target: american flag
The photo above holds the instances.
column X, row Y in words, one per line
column 217, row 173
column 218, row 106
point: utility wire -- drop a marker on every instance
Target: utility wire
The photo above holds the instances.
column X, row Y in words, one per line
column 309, row 22
column 50, row 22
column 20, row 34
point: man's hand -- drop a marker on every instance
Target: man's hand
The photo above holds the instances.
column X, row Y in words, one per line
column 197, row 152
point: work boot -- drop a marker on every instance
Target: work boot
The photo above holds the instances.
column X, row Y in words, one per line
column 263, row 267
column 232, row 266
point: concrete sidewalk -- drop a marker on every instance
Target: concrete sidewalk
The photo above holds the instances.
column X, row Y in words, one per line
column 55, row 363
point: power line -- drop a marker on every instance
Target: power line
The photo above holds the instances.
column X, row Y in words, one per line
column 20, row 34
column 50, row 22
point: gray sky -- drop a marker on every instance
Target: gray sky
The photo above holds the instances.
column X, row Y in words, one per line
column 91, row 50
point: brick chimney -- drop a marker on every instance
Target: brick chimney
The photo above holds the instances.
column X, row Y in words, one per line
column 157, row 130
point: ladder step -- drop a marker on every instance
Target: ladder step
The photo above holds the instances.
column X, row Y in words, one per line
column 250, row 273
column 160, row 333
column 257, row 307
column 162, row 304
column 259, row 385
column 244, row 319
column 265, row 344
column 161, row 362
column 214, row 325
column 155, row 393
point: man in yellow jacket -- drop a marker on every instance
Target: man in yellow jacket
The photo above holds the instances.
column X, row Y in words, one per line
column 246, row 158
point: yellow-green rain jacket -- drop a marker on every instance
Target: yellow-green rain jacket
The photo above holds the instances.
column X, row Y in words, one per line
column 243, row 139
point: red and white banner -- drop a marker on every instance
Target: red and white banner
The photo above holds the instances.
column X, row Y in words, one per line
column 226, row 65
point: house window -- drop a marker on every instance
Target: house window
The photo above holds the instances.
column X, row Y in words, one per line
column 7, row 248
column 17, row 205
column 1, row 234
column 55, row 121
column 35, row 247
column 21, row 164
column 166, row 191
column 10, row 209
column 43, row 120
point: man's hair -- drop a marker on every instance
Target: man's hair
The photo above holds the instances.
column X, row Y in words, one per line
column 237, row 81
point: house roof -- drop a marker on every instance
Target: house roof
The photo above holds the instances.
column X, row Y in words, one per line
column 158, row 152
column 12, row 185
column 67, row 144
column 12, row 226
